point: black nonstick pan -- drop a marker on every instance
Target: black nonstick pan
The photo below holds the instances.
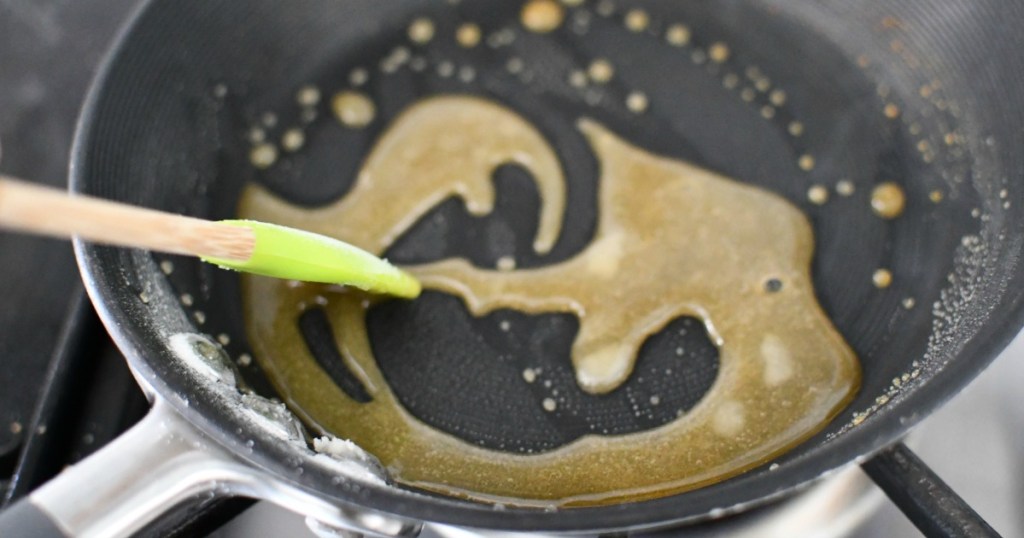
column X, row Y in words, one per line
column 834, row 94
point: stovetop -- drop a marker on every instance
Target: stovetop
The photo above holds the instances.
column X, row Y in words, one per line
column 66, row 390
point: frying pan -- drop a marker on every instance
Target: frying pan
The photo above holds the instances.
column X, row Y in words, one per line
column 169, row 122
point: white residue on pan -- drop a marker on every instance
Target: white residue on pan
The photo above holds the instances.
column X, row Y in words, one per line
column 348, row 459
column 961, row 310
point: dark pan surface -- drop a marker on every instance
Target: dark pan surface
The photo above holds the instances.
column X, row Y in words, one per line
column 158, row 132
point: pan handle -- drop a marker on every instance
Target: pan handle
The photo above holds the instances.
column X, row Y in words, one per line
column 161, row 462
column 927, row 501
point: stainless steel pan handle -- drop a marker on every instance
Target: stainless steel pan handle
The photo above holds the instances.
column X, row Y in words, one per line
column 159, row 463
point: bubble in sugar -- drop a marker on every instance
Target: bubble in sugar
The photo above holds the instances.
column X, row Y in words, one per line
column 421, row 31
column 353, row 109
column 795, row 128
column 308, row 96
column 747, row 94
column 600, row 71
column 506, row 263
column 891, row 111
column 637, row 102
column 263, row 156
column 468, row 35
column 186, row 299
column 936, row 196
column 224, row 339
column 167, row 266
column 767, row 112
column 817, row 194
column 806, row 163
column 888, row 200
column 637, row 20
column 549, row 404
column 514, row 65
column 777, row 97
column 467, row 73
column 677, row 35
column 719, row 52
column 577, row 79
column 882, row 278
column 730, row 81
column 269, row 119
column 293, row 139
column 257, row 135
column 358, row 76
column 845, row 187
column 542, row 16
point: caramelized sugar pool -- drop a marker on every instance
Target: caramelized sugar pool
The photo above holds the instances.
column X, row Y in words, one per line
column 672, row 240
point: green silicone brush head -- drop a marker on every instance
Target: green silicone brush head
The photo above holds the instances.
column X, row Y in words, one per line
column 293, row 254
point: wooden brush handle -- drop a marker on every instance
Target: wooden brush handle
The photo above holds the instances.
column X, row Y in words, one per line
column 57, row 213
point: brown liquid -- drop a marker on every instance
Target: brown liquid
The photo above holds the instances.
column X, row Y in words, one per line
column 672, row 240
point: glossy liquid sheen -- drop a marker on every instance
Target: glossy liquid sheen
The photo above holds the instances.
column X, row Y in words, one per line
column 672, row 240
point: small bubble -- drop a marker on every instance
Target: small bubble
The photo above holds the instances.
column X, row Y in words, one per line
column 263, row 156
column 257, row 135
column 353, row 109
column 358, row 76
column 677, row 35
column 601, row 71
column 796, row 128
column 421, row 31
column 767, row 112
column 817, row 194
column 680, row 352
column 224, row 339
column 269, row 119
column 467, row 73
column 468, row 35
column 637, row 102
column 308, row 96
column 505, row 325
column 293, row 139
column 16, row 427
column 882, row 278
column 845, row 187
column 542, row 16
column 506, row 263
column 529, row 375
column 445, row 69
column 549, row 404
column 888, row 200
column 655, row 400
column 806, row 163
column 244, row 359
column 777, row 97
column 719, row 52
column 577, row 79
column 747, row 94
column 935, row 196
column 220, row 90
column 637, row 20
column 186, row 299
column 514, row 65
column 891, row 111
column 200, row 316
column 730, row 81
column 167, row 266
